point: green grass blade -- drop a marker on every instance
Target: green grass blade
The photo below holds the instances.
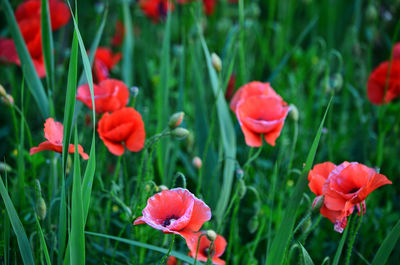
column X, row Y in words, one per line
column 42, row 242
column 176, row 254
column 23, row 243
column 162, row 94
column 94, row 45
column 20, row 200
column 77, row 241
column 47, row 43
column 387, row 246
column 227, row 135
column 127, row 49
column 34, row 83
column 62, row 224
column 339, row 250
column 306, row 257
column 276, row 254
column 70, row 100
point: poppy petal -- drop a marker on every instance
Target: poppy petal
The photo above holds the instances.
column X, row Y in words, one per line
column 53, row 131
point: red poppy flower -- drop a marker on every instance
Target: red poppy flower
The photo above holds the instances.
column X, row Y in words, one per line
column 260, row 111
column 122, row 126
column 104, row 61
column 396, row 51
column 109, row 95
column 119, row 34
column 28, row 19
column 53, row 132
column 171, row 260
column 381, row 81
column 156, row 9
column 346, row 186
column 230, row 89
column 209, row 6
column 175, row 211
column 218, row 248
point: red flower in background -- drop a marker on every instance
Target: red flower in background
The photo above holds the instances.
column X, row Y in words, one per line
column 28, row 19
column 345, row 186
column 382, row 86
column 104, row 61
column 53, row 132
column 119, row 35
column 230, row 89
column 396, row 51
column 260, row 111
column 171, row 260
column 204, row 250
column 122, row 126
column 109, row 95
column 208, row 5
column 156, row 9
column 175, row 211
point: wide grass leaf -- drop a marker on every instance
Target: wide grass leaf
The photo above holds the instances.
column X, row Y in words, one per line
column 47, row 43
column 387, row 246
column 23, row 243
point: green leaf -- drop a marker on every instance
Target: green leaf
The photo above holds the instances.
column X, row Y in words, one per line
column 23, row 243
column 276, row 254
column 176, row 254
column 77, row 241
column 42, row 242
column 227, row 135
column 387, row 246
column 127, row 48
column 34, row 83
column 306, row 257
column 162, row 94
column 47, row 43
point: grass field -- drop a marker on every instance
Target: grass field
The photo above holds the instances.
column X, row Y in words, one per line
column 244, row 158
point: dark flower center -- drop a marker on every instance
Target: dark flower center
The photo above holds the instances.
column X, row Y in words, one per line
column 162, row 10
column 169, row 220
column 353, row 190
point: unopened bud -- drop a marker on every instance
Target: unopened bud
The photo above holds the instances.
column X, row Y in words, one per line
column 337, row 82
column 3, row 92
column 163, row 187
column 41, row 208
column 252, row 225
column 211, row 235
column 371, row 13
column 216, row 62
column 197, row 162
column 294, row 112
column 175, row 120
column 180, row 133
column 5, row 167
column 318, row 202
column 134, row 91
column 242, row 188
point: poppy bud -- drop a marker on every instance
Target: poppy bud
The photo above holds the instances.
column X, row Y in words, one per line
column 3, row 92
column 38, row 189
column 163, row 187
column 371, row 13
column 180, row 133
column 5, row 167
column 337, row 82
column 197, row 162
column 175, row 120
column 41, row 208
column 216, row 62
column 318, row 202
column 294, row 112
column 135, row 91
column 242, row 188
column 252, row 225
column 211, row 235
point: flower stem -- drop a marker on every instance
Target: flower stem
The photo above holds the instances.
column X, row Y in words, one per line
column 353, row 238
column 169, row 250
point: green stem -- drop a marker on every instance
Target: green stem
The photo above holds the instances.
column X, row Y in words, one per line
column 169, row 250
column 352, row 239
